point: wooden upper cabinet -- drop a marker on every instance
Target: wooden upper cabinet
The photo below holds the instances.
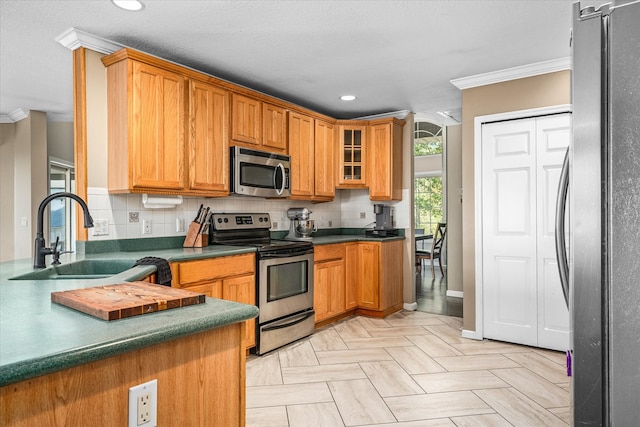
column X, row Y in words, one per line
column 325, row 161
column 301, row 150
column 146, row 128
column 352, row 157
column 274, row 128
column 208, row 138
column 384, row 159
column 246, row 126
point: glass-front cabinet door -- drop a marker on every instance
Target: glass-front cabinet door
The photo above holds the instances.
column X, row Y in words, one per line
column 352, row 156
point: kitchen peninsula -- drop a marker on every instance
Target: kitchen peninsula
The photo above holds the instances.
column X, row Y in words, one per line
column 60, row 367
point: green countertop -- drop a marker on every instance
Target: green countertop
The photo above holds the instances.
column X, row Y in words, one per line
column 38, row 337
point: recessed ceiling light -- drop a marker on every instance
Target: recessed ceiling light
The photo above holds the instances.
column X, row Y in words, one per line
column 132, row 5
column 348, row 97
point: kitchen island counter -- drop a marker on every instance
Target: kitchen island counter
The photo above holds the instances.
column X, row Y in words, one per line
column 38, row 337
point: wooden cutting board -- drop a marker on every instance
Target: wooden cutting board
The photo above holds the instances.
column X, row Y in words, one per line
column 126, row 299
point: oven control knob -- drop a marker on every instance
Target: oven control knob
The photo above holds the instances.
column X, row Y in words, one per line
column 226, row 220
column 219, row 220
column 266, row 219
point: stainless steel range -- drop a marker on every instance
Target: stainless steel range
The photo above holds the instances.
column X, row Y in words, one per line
column 284, row 282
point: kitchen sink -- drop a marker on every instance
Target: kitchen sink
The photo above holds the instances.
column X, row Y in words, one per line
column 85, row 269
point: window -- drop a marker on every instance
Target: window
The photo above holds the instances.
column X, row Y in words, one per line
column 61, row 212
column 427, row 139
column 428, row 203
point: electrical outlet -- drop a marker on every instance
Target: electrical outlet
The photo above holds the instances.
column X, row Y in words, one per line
column 179, row 225
column 363, row 215
column 274, row 225
column 330, row 223
column 143, row 404
column 146, row 226
column 134, row 216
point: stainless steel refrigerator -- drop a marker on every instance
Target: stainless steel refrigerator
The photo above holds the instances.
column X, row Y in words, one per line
column 603, row 287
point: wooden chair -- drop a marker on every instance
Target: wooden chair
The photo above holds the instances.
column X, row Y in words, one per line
column 435, row 252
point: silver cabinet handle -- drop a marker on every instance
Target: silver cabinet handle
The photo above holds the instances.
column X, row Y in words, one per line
column 561, row 248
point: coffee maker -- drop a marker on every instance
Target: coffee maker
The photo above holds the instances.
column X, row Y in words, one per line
column 300, row 226
column 384, row 222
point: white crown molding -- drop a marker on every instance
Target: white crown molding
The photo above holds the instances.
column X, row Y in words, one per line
column 514, row 73
column 400, row 114
column 14, row 116
column 74, row 38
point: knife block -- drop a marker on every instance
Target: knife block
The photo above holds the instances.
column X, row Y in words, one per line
column 194, row 238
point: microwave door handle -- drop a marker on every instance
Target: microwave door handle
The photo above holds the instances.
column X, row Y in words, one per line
column 280, row 168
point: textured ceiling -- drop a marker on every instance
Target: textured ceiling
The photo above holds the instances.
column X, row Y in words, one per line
column 394, row 55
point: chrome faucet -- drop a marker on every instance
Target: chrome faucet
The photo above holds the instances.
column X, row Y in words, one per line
column 40, row 249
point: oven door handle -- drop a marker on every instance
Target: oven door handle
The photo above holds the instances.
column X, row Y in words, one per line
column 286, row 325
column 285, row 255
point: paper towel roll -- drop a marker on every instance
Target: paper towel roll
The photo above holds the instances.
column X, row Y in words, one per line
column 160, row 202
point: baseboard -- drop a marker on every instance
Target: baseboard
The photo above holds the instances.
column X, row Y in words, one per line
column 456, row 294
column 474, row 335
column 412, row 306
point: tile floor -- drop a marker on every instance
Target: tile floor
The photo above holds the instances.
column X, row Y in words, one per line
column 409, row 369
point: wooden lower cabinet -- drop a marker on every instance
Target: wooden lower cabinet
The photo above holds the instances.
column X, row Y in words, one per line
column 329, row 293
column 351, row 275
column 361, row 277
column 201, row 377
column 381, row 277
column 232, row 278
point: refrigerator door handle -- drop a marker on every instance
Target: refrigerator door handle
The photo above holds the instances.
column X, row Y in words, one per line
column 561, row 247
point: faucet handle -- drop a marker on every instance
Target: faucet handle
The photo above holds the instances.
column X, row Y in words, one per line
column 56, row 253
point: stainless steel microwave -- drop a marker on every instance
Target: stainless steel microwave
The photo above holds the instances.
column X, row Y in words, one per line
column 259, row 173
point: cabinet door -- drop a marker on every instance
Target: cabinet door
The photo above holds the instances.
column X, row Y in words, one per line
column 384, row 161
column 369, row 275
column 325, row 160
column 157, row 128
column 246, row 119
column 208, row 138
column 329, row 290
column 212, row 289
column 242, row 289
column 352, row 168
column 351, row 276
column 274, row 125
column 301, row 150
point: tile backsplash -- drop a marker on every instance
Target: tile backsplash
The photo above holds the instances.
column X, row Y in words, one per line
column 119, row 210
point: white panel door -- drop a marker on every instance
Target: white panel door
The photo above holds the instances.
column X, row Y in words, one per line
column 553, row 134
column 509, row 231
column 522, row 296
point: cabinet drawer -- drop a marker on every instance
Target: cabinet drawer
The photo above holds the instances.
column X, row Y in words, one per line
column 328, row 252
column 212, row 268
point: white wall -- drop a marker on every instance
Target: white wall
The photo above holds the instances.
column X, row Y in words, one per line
column 454, row 207
column 60, row 140
column 7, row 222
column 24, row 183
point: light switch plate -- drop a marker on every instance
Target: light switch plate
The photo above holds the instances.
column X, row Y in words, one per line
column 101, row 227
